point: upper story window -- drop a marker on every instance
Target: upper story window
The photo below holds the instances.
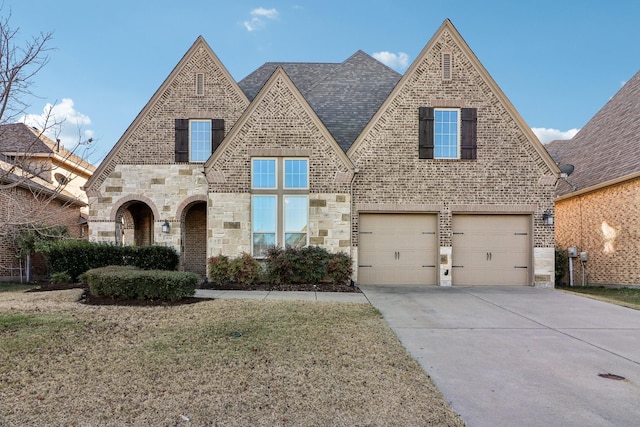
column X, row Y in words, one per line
column 279, row 203
column 447, row 133
column 197, row 139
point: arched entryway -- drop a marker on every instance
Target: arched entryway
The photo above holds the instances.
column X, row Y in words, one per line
column 194, row 238
column 134, row 224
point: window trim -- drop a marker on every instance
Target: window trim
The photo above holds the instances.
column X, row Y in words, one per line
column 280, row 192
column 191, row 151
column 458, row 132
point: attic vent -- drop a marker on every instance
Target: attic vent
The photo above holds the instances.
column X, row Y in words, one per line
column 200, row 84
column 446, row 66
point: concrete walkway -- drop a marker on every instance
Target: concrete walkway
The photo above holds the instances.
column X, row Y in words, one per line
column 521, row 356
column 352, row 297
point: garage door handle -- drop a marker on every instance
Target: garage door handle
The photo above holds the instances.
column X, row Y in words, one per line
column 489, row 256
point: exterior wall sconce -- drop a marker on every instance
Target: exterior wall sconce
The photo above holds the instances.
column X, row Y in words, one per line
column 547, row 218
column 166, row 227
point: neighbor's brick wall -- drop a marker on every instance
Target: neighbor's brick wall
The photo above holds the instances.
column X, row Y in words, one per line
column 18, row 204
column 606, row 224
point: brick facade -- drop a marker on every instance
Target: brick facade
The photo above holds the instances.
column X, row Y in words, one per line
column 508, row 176
column 604, row 223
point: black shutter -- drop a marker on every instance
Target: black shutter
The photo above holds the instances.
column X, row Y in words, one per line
column 469, row 145
column 217, row 133
column 182, row 140
column 425, row 138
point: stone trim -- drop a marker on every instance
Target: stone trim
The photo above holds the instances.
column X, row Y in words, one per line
column 280, row 152
column 188, row 201
column 505, row 209
column 396, row 207
column 133, row 198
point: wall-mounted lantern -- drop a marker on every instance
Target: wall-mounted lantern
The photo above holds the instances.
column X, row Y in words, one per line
column 547, row 218
column 166, row 227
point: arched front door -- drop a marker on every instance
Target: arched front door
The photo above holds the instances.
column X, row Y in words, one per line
column 134, row 224
column 194, row 251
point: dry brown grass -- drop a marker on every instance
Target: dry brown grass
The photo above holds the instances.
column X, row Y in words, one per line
column 222, row 362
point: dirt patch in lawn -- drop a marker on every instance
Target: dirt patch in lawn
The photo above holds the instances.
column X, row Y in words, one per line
column 218, row 362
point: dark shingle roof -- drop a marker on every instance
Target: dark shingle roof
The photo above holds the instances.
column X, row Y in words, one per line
column 345, row 96
column 606, row 148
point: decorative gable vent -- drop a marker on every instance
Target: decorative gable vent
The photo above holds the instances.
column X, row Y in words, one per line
column 200, row 84
column 446, row 65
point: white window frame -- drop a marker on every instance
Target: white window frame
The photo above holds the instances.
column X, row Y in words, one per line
column 436, row 134
column 191, row 150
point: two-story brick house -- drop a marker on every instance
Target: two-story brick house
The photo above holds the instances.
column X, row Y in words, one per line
column 431, row 177
column 40, row 186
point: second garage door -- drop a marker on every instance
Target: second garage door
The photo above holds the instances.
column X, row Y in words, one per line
column 491, row 249
column 397, row 249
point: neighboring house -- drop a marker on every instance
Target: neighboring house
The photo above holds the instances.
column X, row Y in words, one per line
column 431, row 177
column 40, row 185
column 597, row 209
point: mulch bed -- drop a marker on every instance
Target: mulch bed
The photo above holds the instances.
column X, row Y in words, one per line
column 89, row 299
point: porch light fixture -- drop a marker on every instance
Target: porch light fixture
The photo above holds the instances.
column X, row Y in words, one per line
column 166, row 227
column 547, row 218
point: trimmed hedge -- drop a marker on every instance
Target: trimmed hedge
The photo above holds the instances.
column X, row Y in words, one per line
column 74, row 257
column 128, row 282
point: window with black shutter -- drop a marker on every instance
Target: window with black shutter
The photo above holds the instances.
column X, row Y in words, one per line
column 197, row 139
column 447, row 133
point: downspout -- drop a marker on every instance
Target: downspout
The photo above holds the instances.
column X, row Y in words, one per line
column 356, row 170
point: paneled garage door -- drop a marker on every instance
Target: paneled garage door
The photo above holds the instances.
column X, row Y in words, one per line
column 397, row 249
column 491, row 249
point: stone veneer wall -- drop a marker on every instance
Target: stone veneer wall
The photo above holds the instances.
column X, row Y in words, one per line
column 508, row 176
column 164, row 188
column 230, row 222
column 606, row 224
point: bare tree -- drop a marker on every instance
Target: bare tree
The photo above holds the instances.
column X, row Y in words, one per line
column 37, row 189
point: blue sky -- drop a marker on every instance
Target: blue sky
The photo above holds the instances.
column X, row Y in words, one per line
column 558, row 61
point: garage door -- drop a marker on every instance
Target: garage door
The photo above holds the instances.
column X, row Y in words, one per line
column 397, row 249
column 491, row 249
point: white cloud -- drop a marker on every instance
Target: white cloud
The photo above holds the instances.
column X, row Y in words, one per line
column 61, row 121
column 547, row 135
column 257, row 18
column 398, row 62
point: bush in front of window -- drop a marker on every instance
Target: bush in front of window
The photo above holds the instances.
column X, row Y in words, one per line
column 339, row 268
column 245, row 270
column 311, row 265
column 219, row 269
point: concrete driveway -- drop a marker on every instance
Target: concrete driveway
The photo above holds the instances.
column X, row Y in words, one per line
column 521, row 356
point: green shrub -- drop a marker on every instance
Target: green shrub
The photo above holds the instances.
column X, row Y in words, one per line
column 561, row 260
column 77, row 256
column 339, row 268
column 279, row 265
column 62, row 277
column 219, row 270
column 245, row 270
column 131, row 283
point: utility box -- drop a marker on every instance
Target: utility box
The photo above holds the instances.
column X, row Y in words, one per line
column 584, row 256
column 572, row 252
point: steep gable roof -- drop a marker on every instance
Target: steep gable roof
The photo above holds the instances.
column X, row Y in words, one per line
column 606, row 148
column 271, row 92
column 411, row 74
column 200, row 45
column 345, row 96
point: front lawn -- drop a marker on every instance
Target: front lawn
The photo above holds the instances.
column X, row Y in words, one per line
column 216, row 362
column 627, row 297
column 14, row 287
